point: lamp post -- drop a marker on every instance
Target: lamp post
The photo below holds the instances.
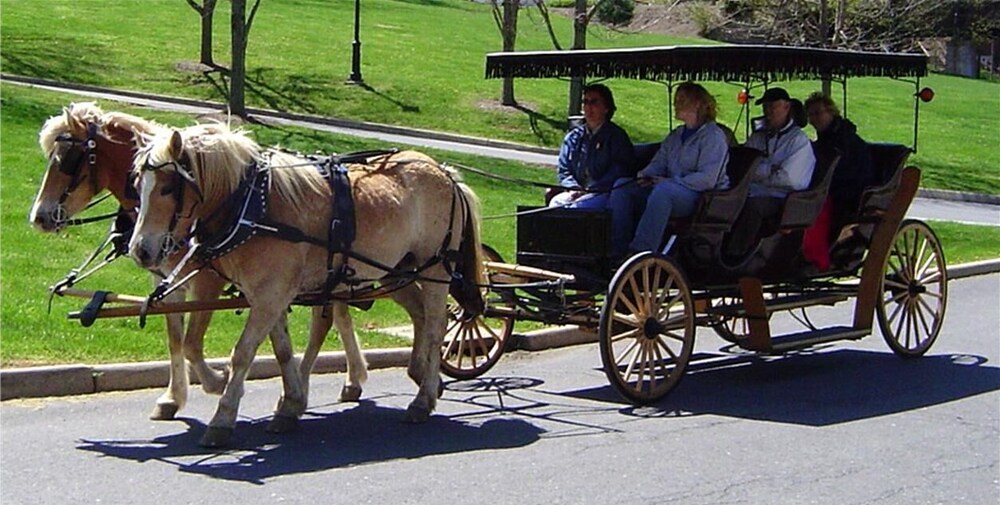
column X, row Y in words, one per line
column 355, row 77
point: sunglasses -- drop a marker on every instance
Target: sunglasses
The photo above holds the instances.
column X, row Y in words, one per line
column 591, row 101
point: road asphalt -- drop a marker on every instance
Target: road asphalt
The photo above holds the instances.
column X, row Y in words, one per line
column 62, row 380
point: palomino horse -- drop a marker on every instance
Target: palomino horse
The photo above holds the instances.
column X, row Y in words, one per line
column 413, row 221
column 90, row 151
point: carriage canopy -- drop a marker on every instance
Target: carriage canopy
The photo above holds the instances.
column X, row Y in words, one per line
column 711, row 62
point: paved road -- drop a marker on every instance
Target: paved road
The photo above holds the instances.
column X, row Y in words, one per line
column 845, row 424
column 922, row 208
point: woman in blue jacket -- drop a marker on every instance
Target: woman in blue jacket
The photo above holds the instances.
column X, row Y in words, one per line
column 690, row 160
column 594, row 154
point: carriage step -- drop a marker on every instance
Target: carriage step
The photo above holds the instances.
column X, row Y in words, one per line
column 793, row 341
column 779, row 304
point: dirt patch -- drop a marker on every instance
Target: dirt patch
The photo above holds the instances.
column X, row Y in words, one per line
column 495, row 106
column 674, row 18
column 191, row 66
column 671, row 19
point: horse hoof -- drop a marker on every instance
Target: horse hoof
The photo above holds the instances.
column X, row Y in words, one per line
column 350, row 393
column 164, row 412
column 417, row 415
column 283, row 424
column 216, row 437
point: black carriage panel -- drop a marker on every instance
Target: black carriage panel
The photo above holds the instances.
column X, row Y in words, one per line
column 803, row 207
column 574, row 241
column 888, row 161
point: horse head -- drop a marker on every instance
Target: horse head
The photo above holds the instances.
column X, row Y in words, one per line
column 84, row 158
column 182, row 176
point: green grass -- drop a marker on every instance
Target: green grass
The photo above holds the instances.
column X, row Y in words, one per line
column 31, row 261
column 424, row 63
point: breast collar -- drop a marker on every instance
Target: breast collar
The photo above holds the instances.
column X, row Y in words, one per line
column 251, row 198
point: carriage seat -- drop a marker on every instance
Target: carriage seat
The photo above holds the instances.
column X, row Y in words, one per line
column 802, row 207
column 717, row 210
column 888, row 161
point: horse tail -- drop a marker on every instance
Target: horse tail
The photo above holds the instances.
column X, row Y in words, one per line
column 470, row 263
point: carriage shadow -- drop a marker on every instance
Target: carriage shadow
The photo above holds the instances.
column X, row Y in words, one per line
column 817, row 388
column 364, row 434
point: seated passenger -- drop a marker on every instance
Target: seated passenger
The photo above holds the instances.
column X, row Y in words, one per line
column 593, row 155
column 787, row 166
column 691, row 159
column 855, row 171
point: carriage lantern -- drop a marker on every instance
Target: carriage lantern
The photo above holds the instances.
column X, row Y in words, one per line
column 743, row 97
column 925, row 95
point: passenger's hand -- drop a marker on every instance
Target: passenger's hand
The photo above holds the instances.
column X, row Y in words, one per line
column 645, row 182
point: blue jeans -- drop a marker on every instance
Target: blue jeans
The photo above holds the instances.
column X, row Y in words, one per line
column 657, row 204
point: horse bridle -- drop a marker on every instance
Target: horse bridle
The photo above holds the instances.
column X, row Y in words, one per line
column 183, row 176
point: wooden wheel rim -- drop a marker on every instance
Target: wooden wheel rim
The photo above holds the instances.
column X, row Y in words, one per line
column 647, row 328
column 914, row 292
column 471, row 346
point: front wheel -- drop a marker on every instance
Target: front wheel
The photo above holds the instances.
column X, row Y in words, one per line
column 647, row 329
column 914, row 290
column 472, row 345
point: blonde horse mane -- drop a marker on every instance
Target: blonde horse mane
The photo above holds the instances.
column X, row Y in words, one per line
column 220, row 156
column 142, row 129
column 84, row 112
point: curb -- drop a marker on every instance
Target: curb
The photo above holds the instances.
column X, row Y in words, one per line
column 65, row 380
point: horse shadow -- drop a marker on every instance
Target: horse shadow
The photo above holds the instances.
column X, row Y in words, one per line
column 815, row 388
column 364, row 434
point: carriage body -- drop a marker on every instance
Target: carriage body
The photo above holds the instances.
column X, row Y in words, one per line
column 646, row 310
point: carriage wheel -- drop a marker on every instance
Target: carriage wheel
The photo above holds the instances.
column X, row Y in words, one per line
column 732, row 329
column 647, row 328
column 914, row 290
column 473, row 345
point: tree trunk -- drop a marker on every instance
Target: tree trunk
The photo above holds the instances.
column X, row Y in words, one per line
column 824, row 39
column 237, row 71
column 207, row 15
column 580, row 22
column 509, row 35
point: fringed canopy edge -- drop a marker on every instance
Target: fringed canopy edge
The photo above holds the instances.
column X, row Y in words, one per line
column 739, row 63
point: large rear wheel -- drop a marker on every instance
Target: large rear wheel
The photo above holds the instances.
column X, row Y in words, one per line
column 647, row 329
column 914, row 290
column 473, row 344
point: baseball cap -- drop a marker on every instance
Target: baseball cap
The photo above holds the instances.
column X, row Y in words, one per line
column 773, row 94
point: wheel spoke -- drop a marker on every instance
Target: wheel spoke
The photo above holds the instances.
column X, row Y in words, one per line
column 663, row 344
column 635, row 295
column 631, row 349
column 633, row 333
column 629, row 304
column 922, row 318
column 894, row 284
column 647, row 292
column 626, row 319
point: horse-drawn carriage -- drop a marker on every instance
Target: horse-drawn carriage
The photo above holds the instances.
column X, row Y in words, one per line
column 647, row 309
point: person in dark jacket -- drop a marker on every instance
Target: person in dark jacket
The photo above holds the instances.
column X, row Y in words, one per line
column 594, row 154
column 854, row 172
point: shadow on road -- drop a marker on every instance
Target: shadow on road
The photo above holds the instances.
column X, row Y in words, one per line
column 366, row 433
column 817, row 388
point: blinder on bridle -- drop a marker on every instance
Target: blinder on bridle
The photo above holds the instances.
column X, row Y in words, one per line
column 71, row 162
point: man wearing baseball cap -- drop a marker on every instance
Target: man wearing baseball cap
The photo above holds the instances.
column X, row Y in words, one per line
column 788, row 166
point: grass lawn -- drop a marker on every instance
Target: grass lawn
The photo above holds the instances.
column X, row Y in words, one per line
column 31, row 261
column 424, row 66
